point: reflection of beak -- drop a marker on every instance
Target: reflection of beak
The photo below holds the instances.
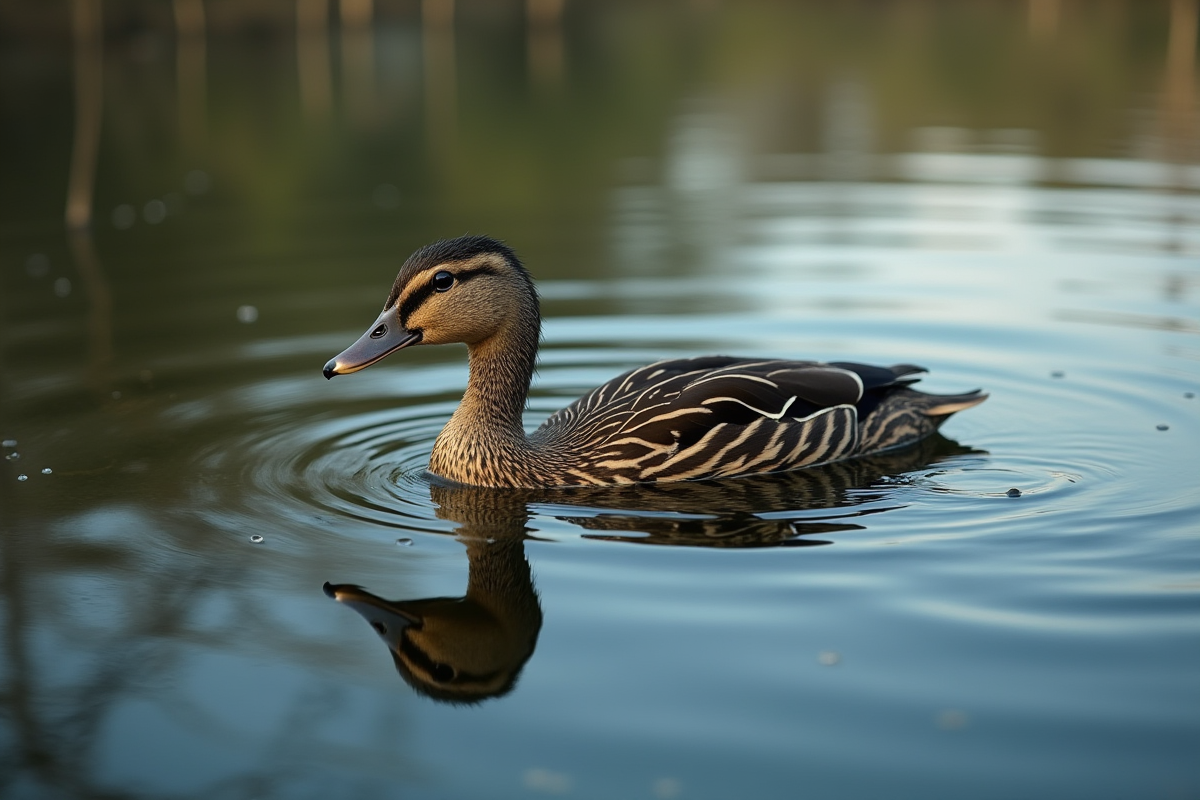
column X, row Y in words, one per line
column 385, row 335
column 387, row 620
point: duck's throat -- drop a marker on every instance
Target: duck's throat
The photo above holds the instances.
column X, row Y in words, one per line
column 484, row 442
column 498, row 385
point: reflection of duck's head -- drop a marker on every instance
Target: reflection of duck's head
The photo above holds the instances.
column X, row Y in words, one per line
column 470, row 648
column 460, row 649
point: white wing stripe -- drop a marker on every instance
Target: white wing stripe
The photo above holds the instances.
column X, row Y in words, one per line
column 857, row 379
column 777, row 416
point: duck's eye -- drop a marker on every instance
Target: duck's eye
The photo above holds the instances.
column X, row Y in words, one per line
column 443, row 673
column 443, row 281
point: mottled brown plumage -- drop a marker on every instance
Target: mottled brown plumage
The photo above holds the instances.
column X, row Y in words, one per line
column 708, row 417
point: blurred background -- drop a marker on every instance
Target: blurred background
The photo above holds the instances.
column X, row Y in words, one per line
column 201, row 201
column 221, row 147
column 451, row 115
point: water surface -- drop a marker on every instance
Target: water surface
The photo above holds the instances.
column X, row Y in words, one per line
column 900, row 626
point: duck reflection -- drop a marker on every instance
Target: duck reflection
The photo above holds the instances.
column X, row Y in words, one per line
column 786, row 509
column 467, row 649
column 464, row 649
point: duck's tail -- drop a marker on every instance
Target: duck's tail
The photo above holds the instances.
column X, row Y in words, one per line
column 941, row 406
column 908, row 416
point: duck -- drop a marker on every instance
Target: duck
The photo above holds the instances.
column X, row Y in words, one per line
column 705, row 417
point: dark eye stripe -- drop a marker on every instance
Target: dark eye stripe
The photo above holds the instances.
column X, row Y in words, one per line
column 421, row 659
column 427, row 290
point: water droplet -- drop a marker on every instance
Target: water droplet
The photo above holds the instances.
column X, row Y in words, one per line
column 197, row 182
column 247, row 314
column 37, row 265
column 1163, row 427
column 47, row 471
column 543, row 780
column 952, row 719
column 667, row 788
column 404, row 542
column 22, row 477
column 828, row 658
column 154, row 212
column 1058, row 373
column 256, row 539
column 386, row 196
column 62, row 286
column 116, row 395
column 123, row 217
column 1014, row 492
column 13, row 456
column 9, row 443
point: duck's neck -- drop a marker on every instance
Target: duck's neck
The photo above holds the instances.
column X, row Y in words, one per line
column 501, row 370
column 484, row 442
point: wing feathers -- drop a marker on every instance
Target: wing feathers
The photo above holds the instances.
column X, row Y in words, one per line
column 721, row 416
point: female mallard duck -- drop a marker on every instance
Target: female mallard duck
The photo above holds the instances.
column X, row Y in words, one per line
column 707, row 417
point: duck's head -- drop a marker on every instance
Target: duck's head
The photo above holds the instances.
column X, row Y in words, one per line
column 470, row 289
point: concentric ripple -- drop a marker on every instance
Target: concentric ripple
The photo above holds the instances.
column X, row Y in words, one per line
column 346, row 470
column 353, row 464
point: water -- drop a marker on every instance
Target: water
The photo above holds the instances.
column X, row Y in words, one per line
column 182, row 611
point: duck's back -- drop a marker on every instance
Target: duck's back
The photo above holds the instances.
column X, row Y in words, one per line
column 720, row 416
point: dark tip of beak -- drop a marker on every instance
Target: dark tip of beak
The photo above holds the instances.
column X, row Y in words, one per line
column 328, row 372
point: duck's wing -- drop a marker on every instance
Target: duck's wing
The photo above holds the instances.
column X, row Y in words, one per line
column 817, row 385
column 719, row 416
column 611, row 402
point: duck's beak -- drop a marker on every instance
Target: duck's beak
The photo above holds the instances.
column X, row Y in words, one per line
column 387, row 618
column 385, row 335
